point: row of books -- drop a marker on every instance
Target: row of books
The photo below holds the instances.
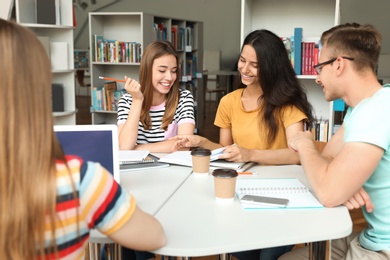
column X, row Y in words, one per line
column 115, row 51
column 106, row 97
column 191, row 67
column 320, row 130
column 309, row 58
column 303, row 52
column 181, row 37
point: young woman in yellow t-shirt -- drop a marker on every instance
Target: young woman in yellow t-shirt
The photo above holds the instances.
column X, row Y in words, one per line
column 268, row 107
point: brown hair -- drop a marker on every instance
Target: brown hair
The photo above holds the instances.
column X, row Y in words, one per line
column 28, row 144
column 361, row 42
column 153, row 51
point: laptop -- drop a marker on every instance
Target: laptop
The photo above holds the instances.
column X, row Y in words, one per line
column 98, row 143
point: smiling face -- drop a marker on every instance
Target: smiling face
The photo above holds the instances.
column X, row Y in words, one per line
column 164, row 73
column 248, row 66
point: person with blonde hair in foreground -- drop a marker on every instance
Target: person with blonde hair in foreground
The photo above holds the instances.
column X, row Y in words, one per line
column 49, row 201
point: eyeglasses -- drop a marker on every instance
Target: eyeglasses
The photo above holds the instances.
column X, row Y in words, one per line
column 319, row 66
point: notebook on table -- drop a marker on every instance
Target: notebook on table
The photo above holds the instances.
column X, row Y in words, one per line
column 134, row 157
column 150, row 161
column 98, row 143
column 184, row 158
column 291, row 189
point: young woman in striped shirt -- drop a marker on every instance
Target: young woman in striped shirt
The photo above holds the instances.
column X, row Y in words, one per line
column 155, row 108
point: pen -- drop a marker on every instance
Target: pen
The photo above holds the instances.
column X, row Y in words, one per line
column 112, row 79
column 246, row 173
column 247, row 166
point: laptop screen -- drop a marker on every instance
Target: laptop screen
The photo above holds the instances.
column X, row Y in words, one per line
column 98, row 143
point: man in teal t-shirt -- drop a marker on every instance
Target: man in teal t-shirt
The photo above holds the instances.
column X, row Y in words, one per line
column 354, row 167
column 367, row 123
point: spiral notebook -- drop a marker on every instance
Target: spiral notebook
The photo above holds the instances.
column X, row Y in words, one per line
column 296, row 192
column 134, row 157
column 150, row 162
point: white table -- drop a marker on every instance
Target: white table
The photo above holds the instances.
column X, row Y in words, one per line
column 197, row 225
column 151, row 188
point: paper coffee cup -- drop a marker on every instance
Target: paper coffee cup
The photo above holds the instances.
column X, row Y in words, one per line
column 200, row 160
column 225, row 183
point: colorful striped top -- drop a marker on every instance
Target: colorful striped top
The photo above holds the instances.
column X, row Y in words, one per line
column 184, row 114
column 101, row 204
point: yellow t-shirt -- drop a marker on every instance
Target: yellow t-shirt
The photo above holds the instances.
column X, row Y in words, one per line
column 245, row 125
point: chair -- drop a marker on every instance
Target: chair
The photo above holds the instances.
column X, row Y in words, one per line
column 100, row 245
column 219, row 91
column 80, row 81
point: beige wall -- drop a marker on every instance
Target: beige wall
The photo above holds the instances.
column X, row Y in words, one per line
column 221, row 20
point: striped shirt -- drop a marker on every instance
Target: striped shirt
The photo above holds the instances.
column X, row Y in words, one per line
column 101, row 204
column 184, row 114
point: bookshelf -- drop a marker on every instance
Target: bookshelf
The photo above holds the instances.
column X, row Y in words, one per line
column 144, row 28
column 281, row 17
column 52, row 35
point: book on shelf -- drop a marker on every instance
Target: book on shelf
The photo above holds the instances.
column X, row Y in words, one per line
column 106, row 99
column 174, row 35
column 298, row 50
column 297, row 194
column 110, row 89
column 115, row 51
column 310, row 49
column 97, row 44
column 160, row 31
column 320, row 130
column 48, row 12
column 182, row 39
column 303, row 52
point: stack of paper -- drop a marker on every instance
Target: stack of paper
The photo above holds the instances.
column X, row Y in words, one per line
column 134, row 156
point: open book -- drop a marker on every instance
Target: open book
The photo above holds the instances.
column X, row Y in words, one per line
column 297, row 194
column 184, row 158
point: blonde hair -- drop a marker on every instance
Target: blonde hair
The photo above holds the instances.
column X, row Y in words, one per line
column 153, row 51
column 28, row 145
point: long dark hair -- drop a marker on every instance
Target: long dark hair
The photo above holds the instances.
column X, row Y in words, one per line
column 277, row 79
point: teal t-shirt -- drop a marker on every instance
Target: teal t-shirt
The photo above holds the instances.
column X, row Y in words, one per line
column 369, row 122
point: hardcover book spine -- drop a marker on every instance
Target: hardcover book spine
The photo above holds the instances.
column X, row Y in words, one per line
column 46, row 11
column 298, row 50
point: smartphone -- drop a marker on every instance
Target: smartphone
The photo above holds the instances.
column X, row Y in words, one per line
column 266, row 201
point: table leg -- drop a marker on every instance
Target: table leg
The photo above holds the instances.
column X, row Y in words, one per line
column 318, row 250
